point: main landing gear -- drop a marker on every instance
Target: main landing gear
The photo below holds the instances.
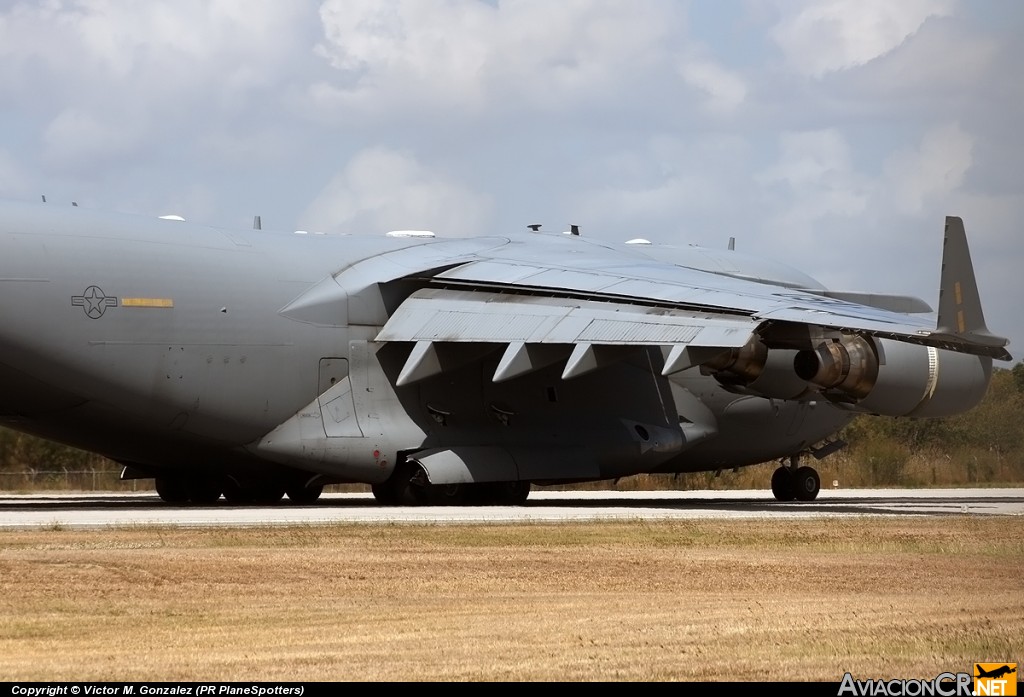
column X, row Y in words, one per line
column 410, row 486
column 793, row 481
column 207, row 491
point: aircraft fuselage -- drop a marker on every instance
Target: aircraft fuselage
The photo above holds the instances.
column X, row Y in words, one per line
column 177, row 348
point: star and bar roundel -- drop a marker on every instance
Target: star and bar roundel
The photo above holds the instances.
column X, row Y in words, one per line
column 95, row 302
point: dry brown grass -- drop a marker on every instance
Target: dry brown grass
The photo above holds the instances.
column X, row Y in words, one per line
column 763, row 600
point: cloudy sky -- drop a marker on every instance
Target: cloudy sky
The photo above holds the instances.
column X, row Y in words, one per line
column 835, row 135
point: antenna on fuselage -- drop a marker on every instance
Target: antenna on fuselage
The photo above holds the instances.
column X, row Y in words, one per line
column 257, row 224
column 732, row 244
column 44, row 198
column 535, row 227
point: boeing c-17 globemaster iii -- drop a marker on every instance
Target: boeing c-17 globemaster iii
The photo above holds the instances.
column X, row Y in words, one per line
column 250, row 364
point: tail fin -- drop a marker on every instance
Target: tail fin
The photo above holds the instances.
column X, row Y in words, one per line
column 960, row 315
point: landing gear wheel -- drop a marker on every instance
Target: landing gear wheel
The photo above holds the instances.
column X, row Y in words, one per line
column 384, row 493
column 782, row 484
column 304, row 494
column 407, row 486
column 236, row 494
column 248, row 491
column 172, row 490
column 443, row 495
column 413, row 490
column 203, row 491
column 267, row 493
column 806, row 484
column 511, row 493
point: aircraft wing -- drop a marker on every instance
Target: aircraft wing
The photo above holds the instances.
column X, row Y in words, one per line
column 533, row 326
column 569, row 291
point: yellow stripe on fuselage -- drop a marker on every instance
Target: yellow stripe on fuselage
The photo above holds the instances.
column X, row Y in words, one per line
column 147, row 302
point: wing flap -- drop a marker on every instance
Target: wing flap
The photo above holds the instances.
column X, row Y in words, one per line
column 447, row 315
column 444, row 323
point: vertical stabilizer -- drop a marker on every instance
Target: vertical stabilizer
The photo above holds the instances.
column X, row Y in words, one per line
column 960, row 314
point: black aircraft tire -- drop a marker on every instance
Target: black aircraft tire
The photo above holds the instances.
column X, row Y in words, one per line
column 782, row 484
column 445, row 495
column 172, row 490
column 497, row 494
column 400, row 489
column 267, row 493
column 304, row 494
column 414, row 488
column 511, row 493
column 203, row 492
column 235, row 494
column 806, row 484
column 385, row 494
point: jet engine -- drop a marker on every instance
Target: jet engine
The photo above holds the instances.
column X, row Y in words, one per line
column 895, row 378
column 755, row 369
column 849, row 367
column 860, row 373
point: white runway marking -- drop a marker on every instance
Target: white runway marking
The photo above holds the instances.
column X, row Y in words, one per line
column 119, row 510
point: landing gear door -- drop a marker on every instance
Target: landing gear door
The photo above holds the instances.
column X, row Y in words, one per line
column 336, row 406
column 332, row 371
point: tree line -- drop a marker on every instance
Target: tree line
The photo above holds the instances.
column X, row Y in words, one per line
column 983, row 447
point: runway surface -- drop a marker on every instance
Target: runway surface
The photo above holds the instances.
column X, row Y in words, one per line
column 117, row 510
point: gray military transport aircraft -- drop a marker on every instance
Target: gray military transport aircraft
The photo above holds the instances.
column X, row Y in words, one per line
column 249, row 363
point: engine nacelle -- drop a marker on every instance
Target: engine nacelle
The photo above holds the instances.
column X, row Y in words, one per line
column 755, row 369
column 894, row 378
column 848, row 366
column 926, row 382
column 740, row 366
column 862, row 374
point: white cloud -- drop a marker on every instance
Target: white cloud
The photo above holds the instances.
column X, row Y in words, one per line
column 828, row 208
column 381, row 190
column 822, row 36
column 816, row 169
column 646, row 206
column 943, row 58
column 657, row 118
column 12, row 177
column 471, row 55
column 670, row 189
column 914, row 178
column 822, row 186
column 725, row 89
column 77, row 139
column 237, row 43
column 107, row 76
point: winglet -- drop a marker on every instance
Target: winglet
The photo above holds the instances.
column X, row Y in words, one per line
column 960, row 316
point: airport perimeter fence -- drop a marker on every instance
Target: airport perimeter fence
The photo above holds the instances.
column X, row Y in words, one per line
column 70, row 480
column 33, row 481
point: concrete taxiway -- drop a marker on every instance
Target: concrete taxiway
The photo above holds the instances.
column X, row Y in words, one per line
column 93, row 510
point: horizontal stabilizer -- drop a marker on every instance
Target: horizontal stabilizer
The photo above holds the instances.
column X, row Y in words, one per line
column 906, row 304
